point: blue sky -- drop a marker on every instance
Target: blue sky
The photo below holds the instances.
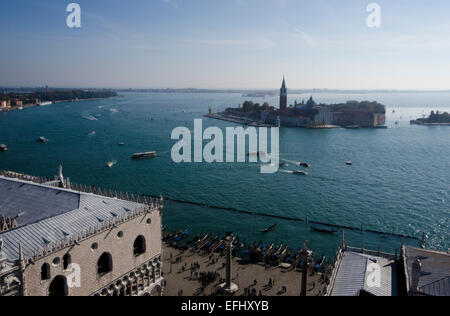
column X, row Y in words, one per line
column 226, row 44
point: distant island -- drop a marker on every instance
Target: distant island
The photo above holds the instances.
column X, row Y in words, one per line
column 13, row 100
column 352, row 114
column 435, row 118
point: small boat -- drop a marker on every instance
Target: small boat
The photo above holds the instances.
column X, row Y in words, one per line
column 44, row 103
column 270, row 229
column 349, row 163
column 324, row 230
column 111, row 164
column 300, row 173
column 42, row 139
column 304, row 164
column 283, row 165
column 3, row 148
column 92, row 133
column 121, row 144
column 150, row 154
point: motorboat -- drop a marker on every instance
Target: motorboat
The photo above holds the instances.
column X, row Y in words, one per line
column 42, row 139
column 111, row 164
column 300, row 173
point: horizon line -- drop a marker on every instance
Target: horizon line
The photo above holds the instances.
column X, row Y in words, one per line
column 224, row 89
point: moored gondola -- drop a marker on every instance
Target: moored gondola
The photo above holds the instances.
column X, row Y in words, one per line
column 270, row 229
column 324, row 230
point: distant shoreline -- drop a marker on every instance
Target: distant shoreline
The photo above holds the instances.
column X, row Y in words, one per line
column 27, row 106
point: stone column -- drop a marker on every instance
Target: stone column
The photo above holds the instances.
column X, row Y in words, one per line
column 229, row 241
column 306, row 254
column 229, row 287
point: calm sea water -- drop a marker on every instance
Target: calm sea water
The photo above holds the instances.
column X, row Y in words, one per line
column 399, row 181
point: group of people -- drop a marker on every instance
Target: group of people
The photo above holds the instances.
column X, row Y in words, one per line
column 208, row 277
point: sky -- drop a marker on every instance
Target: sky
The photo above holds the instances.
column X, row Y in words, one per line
column 226, row 44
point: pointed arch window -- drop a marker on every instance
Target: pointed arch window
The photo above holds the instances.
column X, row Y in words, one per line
column 58, row 287
column 67, row 261
column 104, row 264
column 45, row 272
column 139, row 246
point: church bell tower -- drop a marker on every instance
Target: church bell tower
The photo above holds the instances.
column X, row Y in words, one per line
column 283, row 96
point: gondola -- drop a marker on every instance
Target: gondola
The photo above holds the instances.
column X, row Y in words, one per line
column 324, row 230
column 270, row 229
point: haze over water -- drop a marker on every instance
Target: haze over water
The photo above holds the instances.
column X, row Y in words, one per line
column 399, row 181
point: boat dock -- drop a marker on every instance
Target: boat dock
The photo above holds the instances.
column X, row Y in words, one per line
column 237, row 120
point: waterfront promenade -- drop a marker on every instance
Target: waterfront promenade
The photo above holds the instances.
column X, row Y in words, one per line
column 286, row 282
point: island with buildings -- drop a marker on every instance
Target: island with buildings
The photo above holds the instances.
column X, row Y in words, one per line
column 310, row 114
column 19, row 100
column 435, row 118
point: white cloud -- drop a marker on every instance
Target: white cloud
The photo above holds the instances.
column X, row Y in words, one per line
column 305, row 37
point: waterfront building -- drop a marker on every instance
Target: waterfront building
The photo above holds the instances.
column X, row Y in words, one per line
column 283, row 96
column 413, row 272
column 5, row 104
column 61, row 239
column 18, row 102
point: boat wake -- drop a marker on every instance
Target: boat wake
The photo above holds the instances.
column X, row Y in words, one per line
column 111, row 164
column 290, row 161
column 90, row 117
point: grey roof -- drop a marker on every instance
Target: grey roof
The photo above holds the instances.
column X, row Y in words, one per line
column 352, row 276
column 32, row 202
column 88, row 212
column 438, row 288
column 435, row 273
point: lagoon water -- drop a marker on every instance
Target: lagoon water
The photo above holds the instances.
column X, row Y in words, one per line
column 399, row 181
